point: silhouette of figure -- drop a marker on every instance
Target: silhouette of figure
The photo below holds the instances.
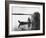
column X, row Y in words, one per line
column 36, row 21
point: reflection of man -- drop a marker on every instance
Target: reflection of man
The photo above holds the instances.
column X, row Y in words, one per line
column 36, row 21
column 25, row 24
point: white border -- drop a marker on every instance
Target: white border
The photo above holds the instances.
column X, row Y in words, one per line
column 25, row 32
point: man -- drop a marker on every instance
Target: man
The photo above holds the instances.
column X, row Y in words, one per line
column 36, row 21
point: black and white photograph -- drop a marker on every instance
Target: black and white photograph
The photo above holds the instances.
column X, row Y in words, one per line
column 25, row 18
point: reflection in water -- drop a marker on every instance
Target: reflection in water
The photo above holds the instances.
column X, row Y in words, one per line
column 28, row 24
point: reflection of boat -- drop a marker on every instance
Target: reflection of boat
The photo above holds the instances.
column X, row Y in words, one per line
column 23, row 23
